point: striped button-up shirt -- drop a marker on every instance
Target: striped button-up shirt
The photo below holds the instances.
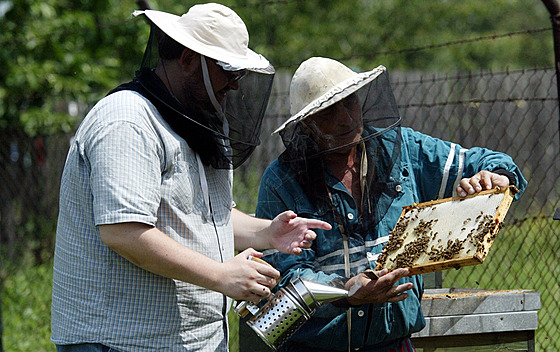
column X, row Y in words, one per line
column 126, row 165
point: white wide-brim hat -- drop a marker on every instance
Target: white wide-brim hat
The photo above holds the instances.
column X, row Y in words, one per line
column 321, row 82
column 212, row 30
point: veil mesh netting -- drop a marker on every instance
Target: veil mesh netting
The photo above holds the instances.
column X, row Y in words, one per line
column 381, row 140
column 220, row 142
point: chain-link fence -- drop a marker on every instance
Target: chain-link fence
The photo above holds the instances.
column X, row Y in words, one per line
column 515, row 112
column 29, row 183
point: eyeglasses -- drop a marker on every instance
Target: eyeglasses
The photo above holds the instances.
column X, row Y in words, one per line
column 234, row 76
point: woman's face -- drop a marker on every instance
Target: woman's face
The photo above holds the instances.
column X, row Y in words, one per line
column 338, row 125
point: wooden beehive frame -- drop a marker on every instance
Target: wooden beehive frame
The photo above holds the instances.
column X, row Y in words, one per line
column 446, row 233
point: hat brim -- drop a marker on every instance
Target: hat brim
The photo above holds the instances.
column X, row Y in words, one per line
column 168, row 23
column 333, row 96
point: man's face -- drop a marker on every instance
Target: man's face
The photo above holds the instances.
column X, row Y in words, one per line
column 222, row 81
column 338, row 125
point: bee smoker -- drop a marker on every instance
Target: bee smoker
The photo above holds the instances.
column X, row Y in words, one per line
column 287, row 310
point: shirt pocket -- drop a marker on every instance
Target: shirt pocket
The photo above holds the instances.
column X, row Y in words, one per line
column 183, row 183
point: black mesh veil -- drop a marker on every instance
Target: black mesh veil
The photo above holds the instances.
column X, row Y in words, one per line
column 379, row 115
column 381, row 141
column 221, row 144
column 244, row 110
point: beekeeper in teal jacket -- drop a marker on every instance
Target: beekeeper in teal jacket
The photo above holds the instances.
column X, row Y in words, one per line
column 348, row 162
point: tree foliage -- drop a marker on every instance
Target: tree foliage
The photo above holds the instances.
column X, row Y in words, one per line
column 364, row 33
column 76, row 50
column 60, row 51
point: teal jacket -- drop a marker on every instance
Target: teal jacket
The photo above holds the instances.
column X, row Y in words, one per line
column 428, row 169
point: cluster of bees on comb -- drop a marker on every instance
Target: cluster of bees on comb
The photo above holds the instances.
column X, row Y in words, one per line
column 426, row 241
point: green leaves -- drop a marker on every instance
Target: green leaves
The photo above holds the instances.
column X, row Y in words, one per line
column 40, row 121
column 60, row 51
column 368, row 33
column 76, row 50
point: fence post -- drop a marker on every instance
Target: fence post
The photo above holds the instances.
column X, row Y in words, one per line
column 554, row 10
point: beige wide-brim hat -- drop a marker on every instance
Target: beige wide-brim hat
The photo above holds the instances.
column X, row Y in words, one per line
column 212, row 30
column 321, row 82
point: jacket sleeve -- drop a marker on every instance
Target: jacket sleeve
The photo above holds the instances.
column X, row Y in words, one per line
column 439, row 165
column 278, row 192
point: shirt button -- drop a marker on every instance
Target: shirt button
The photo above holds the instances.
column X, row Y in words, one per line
column 360, row 313
column 350, row 216
column 398, row 188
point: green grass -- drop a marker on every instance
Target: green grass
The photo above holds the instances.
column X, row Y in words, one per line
column 524, row 256
column 26, row 307
column 234, row 331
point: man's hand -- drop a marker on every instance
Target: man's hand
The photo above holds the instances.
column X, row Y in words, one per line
column 152, row 250
column 363, row 290
column 248, row 280
column 291, row 234
column 483, row 180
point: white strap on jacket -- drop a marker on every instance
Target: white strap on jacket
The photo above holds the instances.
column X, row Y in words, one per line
column 347, row 273
column 460, row 170
column 446, row 171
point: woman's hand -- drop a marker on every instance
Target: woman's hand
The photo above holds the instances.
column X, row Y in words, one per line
column 362, row 289
column 483, row 180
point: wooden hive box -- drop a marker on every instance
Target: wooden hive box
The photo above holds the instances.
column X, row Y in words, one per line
column 447, row 233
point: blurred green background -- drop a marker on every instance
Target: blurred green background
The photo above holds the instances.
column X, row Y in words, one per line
column 75, row 51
